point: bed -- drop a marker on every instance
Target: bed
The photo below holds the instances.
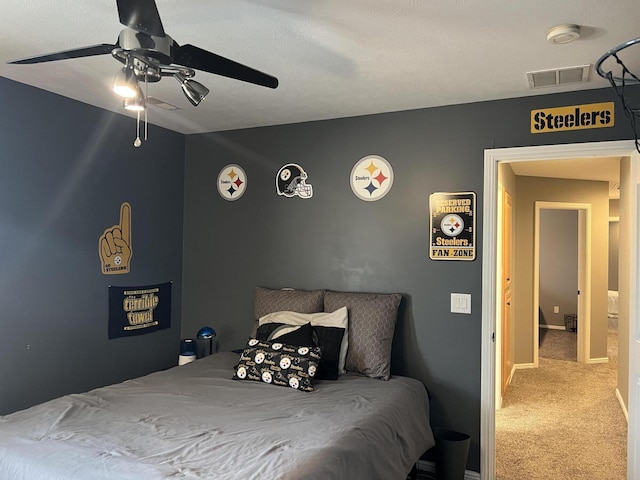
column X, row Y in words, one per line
column 200, row 421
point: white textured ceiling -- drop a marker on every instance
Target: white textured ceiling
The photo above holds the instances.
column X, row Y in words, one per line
column 333, row 58
column 605, row 169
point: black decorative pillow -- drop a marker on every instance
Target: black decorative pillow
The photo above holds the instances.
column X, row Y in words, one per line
column 329, row 332
column 329, row 338
column 289, row 334
column 278, row 364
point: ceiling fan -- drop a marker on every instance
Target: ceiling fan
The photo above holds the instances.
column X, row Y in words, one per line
column 148, row 54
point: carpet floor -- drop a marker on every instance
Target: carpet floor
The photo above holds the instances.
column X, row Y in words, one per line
column 562, row 420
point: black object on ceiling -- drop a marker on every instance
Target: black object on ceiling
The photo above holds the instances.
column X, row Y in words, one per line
column 145, row 47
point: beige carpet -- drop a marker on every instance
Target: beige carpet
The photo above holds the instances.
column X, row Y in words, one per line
column 562, row 420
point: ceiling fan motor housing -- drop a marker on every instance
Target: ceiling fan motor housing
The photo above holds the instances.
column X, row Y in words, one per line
column 158, row 48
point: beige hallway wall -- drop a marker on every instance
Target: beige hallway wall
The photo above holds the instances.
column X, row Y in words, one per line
column 530, row 190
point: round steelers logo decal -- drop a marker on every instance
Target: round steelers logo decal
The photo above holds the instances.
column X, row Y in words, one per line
column 371, row 178
column 452, row 225
column 232, row 182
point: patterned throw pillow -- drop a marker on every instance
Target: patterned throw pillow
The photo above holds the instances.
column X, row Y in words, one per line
column 372, row 322
column 278, row 364
column 289, row 334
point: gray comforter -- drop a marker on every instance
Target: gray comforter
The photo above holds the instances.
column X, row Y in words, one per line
column 195, row 422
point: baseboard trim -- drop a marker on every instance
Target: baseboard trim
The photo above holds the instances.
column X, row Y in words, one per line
column 523, row 366
column 552, row 327
column 430, row 467
column 598, row 360
column 622, row 405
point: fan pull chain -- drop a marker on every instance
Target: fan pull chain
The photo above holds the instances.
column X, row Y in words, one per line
column 137, row 142
column 146, row 95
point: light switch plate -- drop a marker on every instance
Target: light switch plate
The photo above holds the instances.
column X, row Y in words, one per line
column 461, row 303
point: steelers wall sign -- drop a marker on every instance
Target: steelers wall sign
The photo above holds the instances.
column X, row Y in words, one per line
column 453, row 226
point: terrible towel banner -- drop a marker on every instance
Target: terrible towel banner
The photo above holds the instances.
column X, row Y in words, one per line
column 139, row 310
column 453, row 226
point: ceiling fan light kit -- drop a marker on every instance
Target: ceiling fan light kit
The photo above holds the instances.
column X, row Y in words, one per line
column 194, row 91
column 136, row 104
column 148, row 54
column 126, row 84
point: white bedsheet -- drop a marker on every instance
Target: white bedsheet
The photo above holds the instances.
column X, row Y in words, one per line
column 195, row 422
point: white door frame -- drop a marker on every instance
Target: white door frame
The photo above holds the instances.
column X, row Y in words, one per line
column 492, row 158
column 584, row 278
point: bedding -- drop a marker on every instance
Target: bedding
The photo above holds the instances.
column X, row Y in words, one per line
column 196, row 422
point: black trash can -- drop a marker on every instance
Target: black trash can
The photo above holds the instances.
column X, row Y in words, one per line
column 452, row 449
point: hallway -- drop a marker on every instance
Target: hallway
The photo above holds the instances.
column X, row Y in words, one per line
column 562, row 420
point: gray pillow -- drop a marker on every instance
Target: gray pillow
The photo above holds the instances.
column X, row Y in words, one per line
column 372, row 321
column 269, row 300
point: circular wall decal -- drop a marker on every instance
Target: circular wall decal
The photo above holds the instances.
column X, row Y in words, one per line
column 232, row 182
column 371, row 178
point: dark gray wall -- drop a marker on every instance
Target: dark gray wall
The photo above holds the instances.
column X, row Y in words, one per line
column 66, row 169
column 558, row 264
column 337, row 241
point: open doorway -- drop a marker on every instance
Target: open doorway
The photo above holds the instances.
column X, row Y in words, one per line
column 490, row 270
column 558, row 283
column 562, row 259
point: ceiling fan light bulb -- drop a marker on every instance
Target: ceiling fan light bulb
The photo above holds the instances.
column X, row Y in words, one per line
column 124, row 92
column 126, row 84
column 135, row 104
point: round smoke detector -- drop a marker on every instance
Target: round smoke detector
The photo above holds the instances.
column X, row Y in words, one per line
column 563, row 34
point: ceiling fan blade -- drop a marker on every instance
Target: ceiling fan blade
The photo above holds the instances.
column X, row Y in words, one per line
column 141, row 15
column 199, row 59
column 100, row 49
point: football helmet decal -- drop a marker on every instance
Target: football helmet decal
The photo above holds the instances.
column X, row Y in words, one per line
column 291, row 180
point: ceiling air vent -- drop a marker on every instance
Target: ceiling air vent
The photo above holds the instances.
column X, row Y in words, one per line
column 161, row 103
column 559, row 76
